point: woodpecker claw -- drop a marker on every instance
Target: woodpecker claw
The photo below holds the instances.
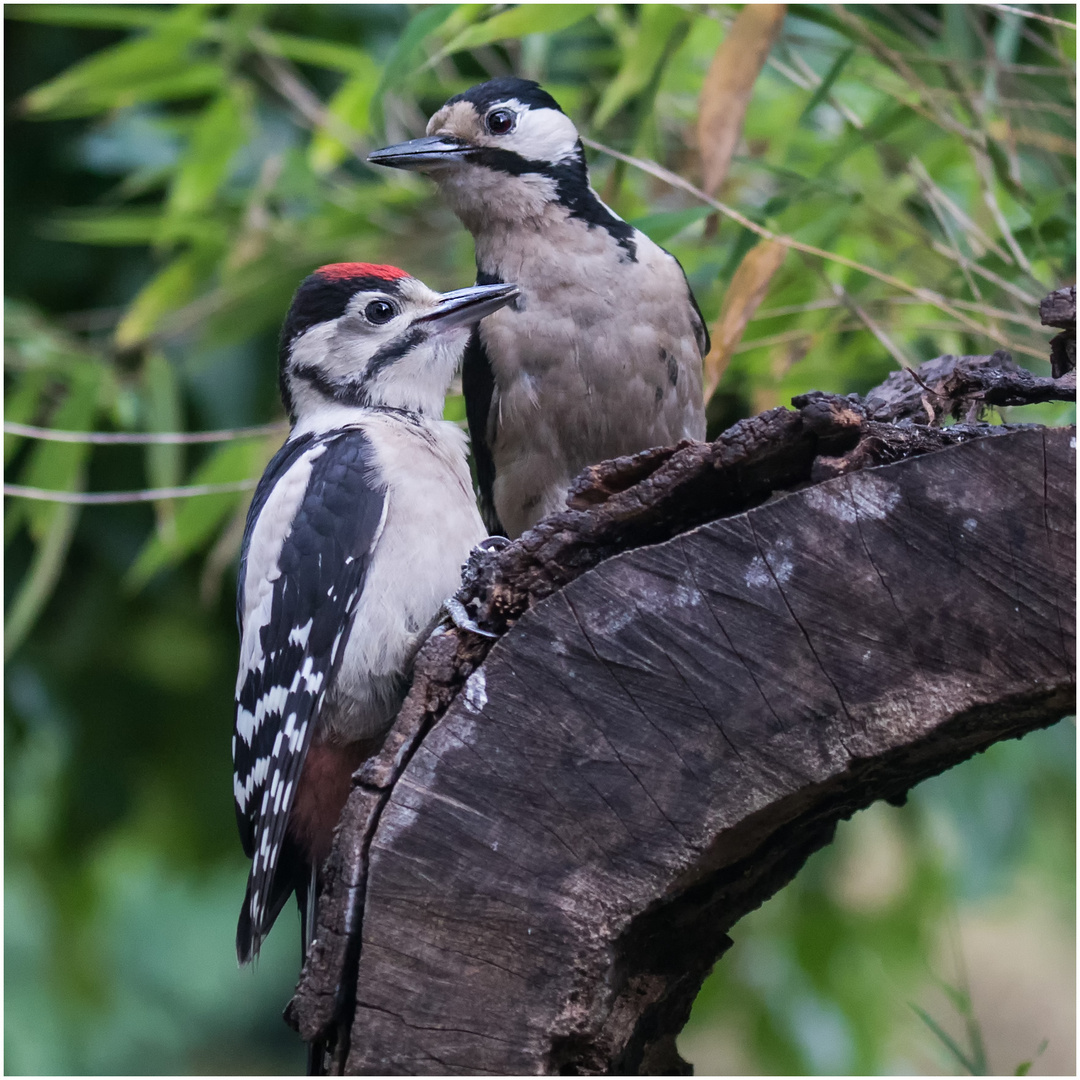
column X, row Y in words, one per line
column 455, row 609
column 494, row 543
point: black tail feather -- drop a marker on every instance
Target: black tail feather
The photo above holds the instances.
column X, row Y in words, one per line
column 293, row 875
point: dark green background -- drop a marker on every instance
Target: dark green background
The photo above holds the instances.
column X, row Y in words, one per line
column 160, row 209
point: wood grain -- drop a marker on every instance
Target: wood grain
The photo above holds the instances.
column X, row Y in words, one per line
column 549, row 871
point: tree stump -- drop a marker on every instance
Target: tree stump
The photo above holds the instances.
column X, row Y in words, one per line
column 715, row 654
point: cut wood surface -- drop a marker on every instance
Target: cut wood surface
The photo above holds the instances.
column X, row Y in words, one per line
column 715, row 654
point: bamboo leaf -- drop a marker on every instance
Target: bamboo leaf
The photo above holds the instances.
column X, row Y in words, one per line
column 156, row 65
column 946, row 1040
column 164, row 462
column 748, row 288
column 194, row 80
column 102, row 16
column 405, row 54
column 58, row 466
column 518, row 22
column 657, row 25
column 217, row 137
column 352, row 106
column 332, row 55
column 41, row 577
column 729, row 83
column 106, row 228
column 1025, row 1066
column 169, row 289
column 825, row 86
column 21, row 405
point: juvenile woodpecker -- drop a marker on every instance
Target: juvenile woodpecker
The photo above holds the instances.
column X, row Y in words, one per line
column 357, row 533
column 601, row 353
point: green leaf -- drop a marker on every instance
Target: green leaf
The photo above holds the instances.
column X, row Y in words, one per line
column 665, row 224
column 657, row 25
column 58, row 466
column 168, row 290
column 219, row 134
column 197, row 518
column 154, row 66
column 960, row 999
column 519, row 22
column 946, row 1039
column 352, row 106
column 21, row 404
column 164, row 462
column 1025, row 1066
column 404, row 56
column 325, row 54
column 104, row 16
column 826, row 84
column 106, row 228
column 195, row 80
column 41, row 576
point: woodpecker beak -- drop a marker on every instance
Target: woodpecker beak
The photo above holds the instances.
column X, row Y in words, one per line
column 422, row 154
column 466, row 307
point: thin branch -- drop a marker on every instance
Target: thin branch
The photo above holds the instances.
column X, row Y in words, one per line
column 816, row 80
column 975, row 236
column 945, row 61
column 930, row 108
column 984, row 309
column 968, row 264
column 1030, row 15
column 112, row 498
column 142, row 438
column 884, row 340
column 985, row 171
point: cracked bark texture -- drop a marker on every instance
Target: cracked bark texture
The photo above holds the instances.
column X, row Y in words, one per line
column 716, row 653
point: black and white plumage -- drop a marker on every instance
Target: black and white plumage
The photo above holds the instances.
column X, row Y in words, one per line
column 356, row 535
column 601, row 354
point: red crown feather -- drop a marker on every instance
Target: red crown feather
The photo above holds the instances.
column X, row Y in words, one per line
column 344, row 271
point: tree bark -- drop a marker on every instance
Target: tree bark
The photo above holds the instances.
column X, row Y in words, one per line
column 677, row 689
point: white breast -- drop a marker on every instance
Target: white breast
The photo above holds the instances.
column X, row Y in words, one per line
column 598, row 359
column 431, row 525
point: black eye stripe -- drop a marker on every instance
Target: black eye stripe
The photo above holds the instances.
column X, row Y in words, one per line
column 394, row 350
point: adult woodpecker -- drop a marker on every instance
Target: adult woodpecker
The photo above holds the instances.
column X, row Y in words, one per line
column 356, row 535
column 601, row 353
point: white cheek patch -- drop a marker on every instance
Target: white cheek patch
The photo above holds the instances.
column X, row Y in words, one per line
column 311, row 346
column 340, row 348
column 540, row 135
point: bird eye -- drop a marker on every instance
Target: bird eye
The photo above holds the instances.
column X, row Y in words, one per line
column 379, row 311
column 500, row 121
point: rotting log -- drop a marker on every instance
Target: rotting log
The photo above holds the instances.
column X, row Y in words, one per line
column 716, row 653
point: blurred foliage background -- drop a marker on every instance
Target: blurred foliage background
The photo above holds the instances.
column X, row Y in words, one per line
column 173, row 172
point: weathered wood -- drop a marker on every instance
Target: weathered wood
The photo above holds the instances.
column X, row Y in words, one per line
column 694, row 679
column 961, row 386
column 1059, row 309
column 659, row 745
